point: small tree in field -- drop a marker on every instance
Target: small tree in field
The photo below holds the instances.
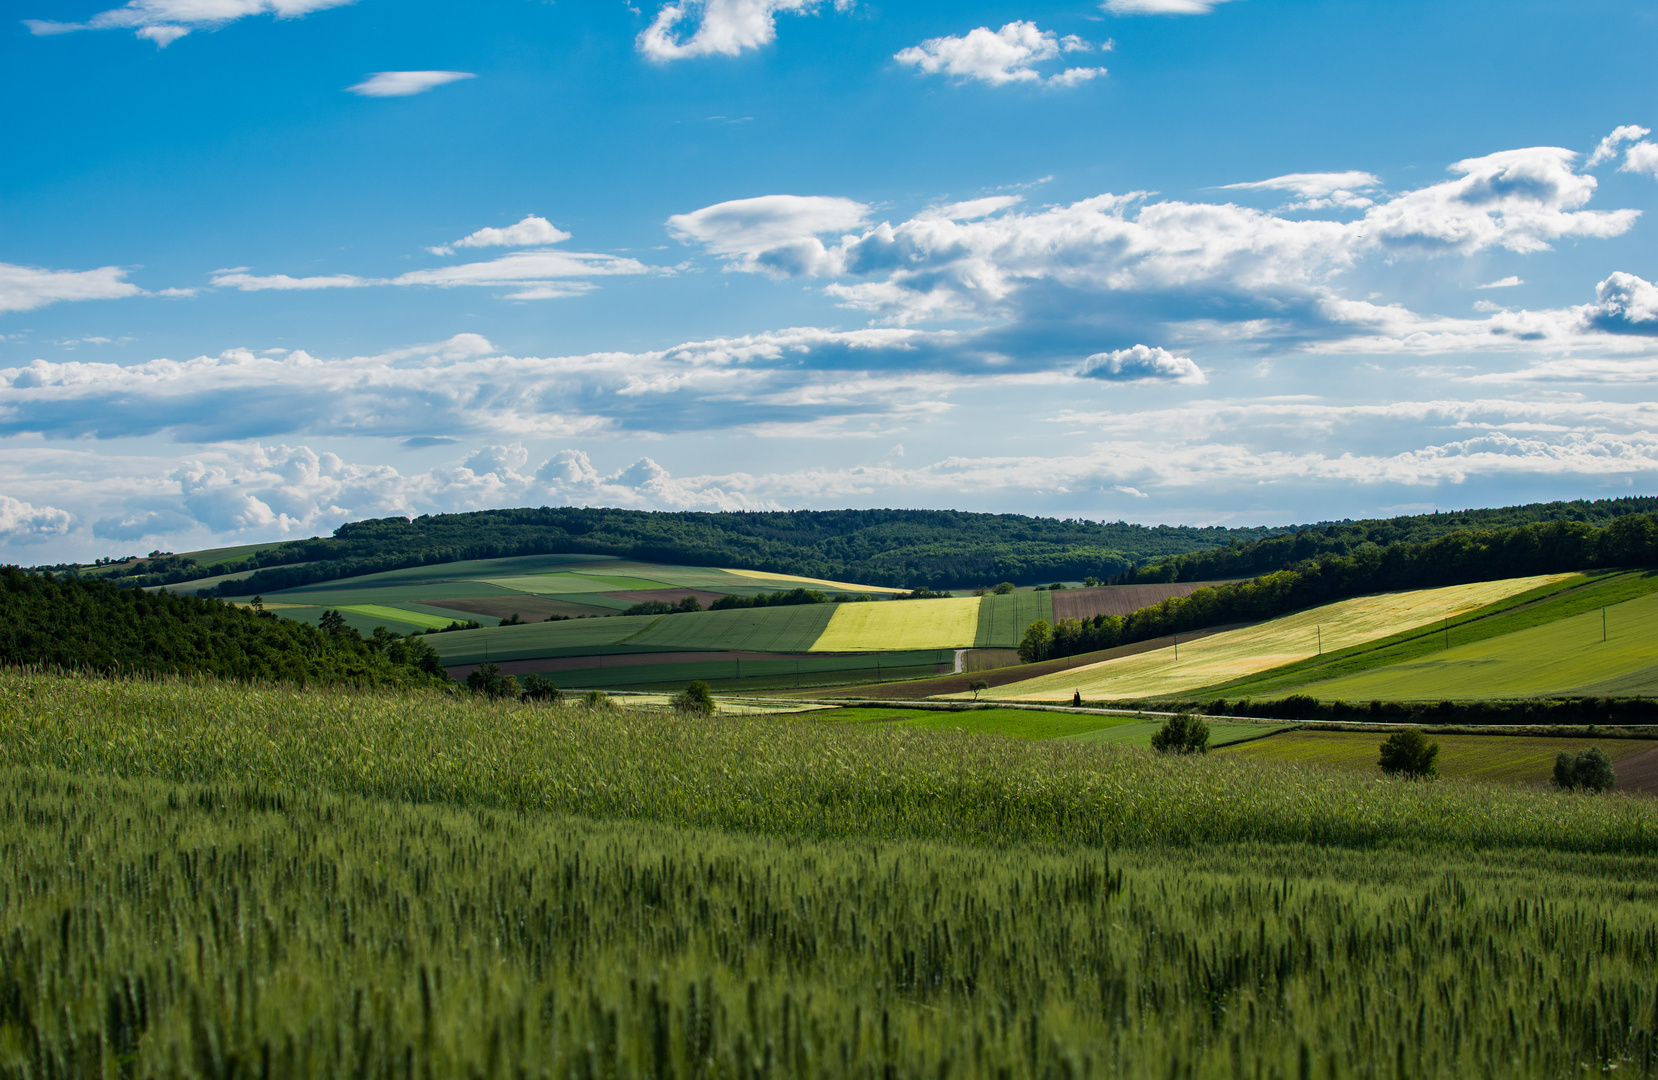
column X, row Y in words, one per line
column 696, row 699
column 1590, row 770
column 1182, row 733
column 976, row 686
column 1408, row 754
column 1003, row 589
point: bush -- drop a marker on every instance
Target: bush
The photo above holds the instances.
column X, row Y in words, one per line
column 1183, row 733
column 1589, row 769
column 651, row 607
column 1003, row 589
column 489, row 680
column 539, row 688
column 1408, row 754
column 597, row 700
column 695, row 698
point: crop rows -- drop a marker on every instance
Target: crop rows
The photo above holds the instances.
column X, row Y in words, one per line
column 159, row 930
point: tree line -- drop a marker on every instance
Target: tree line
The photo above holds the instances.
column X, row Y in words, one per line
column 92, row 625
column 1453, row 559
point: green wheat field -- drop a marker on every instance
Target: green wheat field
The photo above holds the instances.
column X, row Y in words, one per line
column 206, row 880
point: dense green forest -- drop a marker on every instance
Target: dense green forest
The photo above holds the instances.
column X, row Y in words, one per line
column 1454, row 558
column 940, row 549
column 93, row 625
column 901, row 548
column 1246, row 557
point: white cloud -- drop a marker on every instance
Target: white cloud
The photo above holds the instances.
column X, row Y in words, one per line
column 1318, row 191
column 1160, row 7
column 1624, row 304
column 1142, row 364
column 1641, row 158
column 1516, row 199
column 1191, row 255
column 777, row 234
column 531, row 232
column 406, row 83
column 1004, row 56
column 1608, row 147
column 724, row 27
column 165, row 21
column 1502, row 283
column 528, row 270
column 24, row 288
column 24, row 523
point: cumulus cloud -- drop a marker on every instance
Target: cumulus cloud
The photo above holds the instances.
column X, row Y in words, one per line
column 1142, row 364
column 1624, row 304
column 165, row 21
column 24, row 288
column 1004, row 56
column 1214, row 260
column 723, row 27
column 531, row 232
column 1641, row 158
column 1160, row 7
column 25, row 523
column 406, row 83
column 777, row 234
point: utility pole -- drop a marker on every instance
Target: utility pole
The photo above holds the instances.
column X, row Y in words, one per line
column 1447, row 631
column 1320, row 630
column 1603, row 625
column 1177, row 648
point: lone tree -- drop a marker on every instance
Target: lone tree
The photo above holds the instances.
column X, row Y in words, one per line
column 1408, row 754
column 490, row 681
column 977, row 685
column 1588, row 769
column 695, row 698
column 1182, row 733
column 1003, row 589
column 1038, row 641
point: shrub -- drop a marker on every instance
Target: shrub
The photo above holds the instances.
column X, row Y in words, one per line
column 1589, row 769
column 1183, row 733
column 597, row 700
column 488, row 679
column 651, row 607
column 1003, row 589
column 1406, row 753
column 695, row 698
column 540, row 688
column 688, row 603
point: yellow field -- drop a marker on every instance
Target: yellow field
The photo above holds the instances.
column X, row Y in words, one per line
column 1267, row 645
column 901, row 624
column 820, row 583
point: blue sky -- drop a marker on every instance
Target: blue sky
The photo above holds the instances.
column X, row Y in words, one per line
column 271, row 265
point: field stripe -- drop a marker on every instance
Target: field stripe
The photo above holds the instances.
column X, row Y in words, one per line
column 789, row 581
column 901, row 624
column 402, row 615
column 1268, row 645
column 1559, row 657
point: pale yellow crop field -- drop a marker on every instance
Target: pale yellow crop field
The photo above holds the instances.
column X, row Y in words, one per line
column 901, row 624
column 819, row 583
column 1236, row 653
